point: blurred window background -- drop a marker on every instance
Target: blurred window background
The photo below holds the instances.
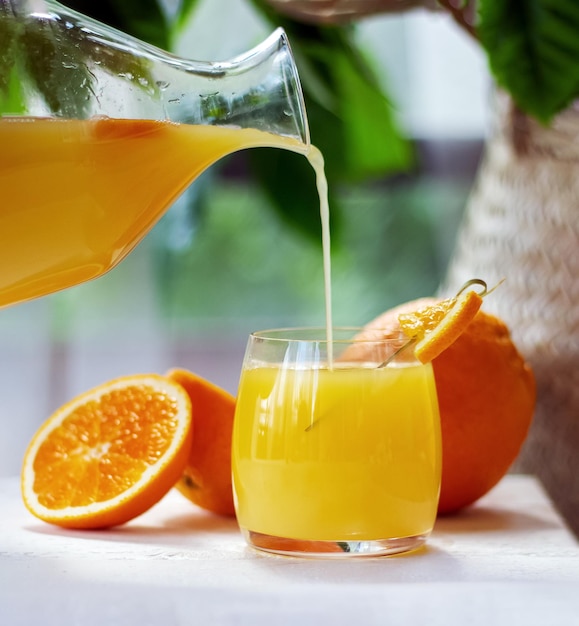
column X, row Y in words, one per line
column 195, row 287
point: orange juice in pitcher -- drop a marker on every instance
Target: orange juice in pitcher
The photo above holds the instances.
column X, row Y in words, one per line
column 98, row 143
column 78, row 195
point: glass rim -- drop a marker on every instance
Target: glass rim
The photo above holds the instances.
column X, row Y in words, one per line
column 318, row 334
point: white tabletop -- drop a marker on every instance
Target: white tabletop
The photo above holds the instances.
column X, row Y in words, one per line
column 507, row 560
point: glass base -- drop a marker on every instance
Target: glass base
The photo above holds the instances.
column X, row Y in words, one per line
column 333, row 549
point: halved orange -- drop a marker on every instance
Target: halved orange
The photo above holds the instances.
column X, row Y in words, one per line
column 109, row 454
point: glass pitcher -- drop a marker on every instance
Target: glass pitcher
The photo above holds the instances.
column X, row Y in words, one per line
column 100, row 133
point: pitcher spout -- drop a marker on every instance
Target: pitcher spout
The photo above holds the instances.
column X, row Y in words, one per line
column 275, row 102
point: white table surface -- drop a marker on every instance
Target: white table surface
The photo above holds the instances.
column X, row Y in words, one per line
column 507, row 560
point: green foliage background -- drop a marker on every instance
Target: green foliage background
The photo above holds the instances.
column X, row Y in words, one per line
column 533, row 53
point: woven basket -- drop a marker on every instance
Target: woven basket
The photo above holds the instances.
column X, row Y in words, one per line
column 522, row 224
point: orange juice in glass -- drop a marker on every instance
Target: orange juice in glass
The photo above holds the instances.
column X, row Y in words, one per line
column 339, row 454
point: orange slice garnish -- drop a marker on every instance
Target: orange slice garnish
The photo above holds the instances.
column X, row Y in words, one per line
column 435, row 327
column 110, row 454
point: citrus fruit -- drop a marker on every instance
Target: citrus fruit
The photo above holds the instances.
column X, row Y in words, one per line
column 486, row 394
column 438, row 325
column 109, row 454
column 206, row 480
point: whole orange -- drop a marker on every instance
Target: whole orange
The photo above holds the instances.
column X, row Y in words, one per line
column 486, row 394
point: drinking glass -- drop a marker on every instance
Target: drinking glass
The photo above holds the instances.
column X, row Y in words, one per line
column 336, row 444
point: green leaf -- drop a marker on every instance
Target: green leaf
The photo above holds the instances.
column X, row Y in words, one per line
column 54, row 64
column 371, row 134
column 11, row 96
column 533, row 50
column 351, row 121
column 343, row 97
column 8, row 37
column 58, row 61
